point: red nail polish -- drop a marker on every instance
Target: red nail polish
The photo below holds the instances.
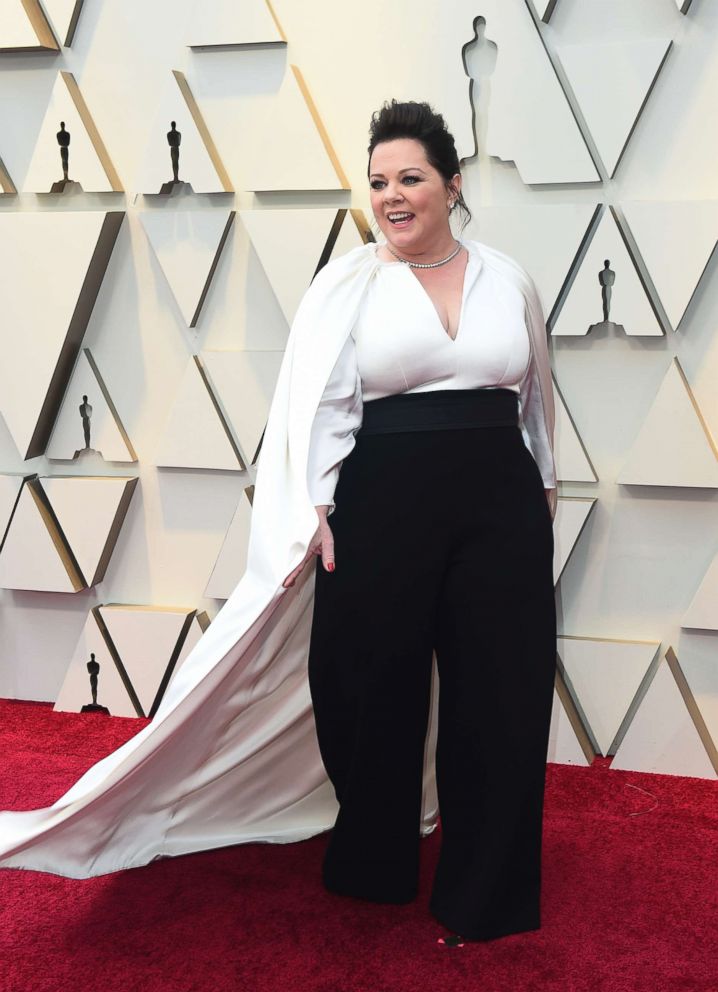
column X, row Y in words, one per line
column 330, row 566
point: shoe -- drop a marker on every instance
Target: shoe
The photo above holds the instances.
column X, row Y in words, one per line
column 454, row 940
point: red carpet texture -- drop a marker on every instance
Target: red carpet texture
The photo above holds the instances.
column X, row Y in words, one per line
column 629, row 899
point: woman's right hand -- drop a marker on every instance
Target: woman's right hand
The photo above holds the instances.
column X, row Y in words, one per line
column 321, row 544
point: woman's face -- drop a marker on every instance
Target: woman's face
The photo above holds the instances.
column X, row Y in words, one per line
column 403, row 182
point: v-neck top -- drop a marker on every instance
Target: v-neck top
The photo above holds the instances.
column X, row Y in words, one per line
column 398, row 344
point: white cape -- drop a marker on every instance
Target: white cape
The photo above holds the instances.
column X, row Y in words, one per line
column 231, row 755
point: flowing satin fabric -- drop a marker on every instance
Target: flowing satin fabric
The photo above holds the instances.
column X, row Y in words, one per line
column 231, row 754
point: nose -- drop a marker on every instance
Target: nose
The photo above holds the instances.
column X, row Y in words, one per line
column 392, row 193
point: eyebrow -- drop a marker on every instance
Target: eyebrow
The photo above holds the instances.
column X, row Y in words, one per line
column 411, row 168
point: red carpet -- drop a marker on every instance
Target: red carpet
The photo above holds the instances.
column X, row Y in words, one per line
column 629, row 898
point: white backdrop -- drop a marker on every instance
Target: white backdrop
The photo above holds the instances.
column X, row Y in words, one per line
column 645, row 549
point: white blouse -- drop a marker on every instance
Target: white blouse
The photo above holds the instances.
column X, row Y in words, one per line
column 399, row 345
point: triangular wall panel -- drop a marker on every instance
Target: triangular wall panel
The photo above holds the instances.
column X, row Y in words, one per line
column 604, row 675
column 676, row 241
column 244, row 383
column 629, row 305
column 290, row 245
column 667, row 734
column 24, row 27
column 147, row 639
column 232, row 559
column 564, row 745
column 188, row 244
column 76, row 690
column 90, row 512
column 278, row 120
column 196, row 434
column 34, row 555
column 223, row 25
column 572, row 461
column 572, row 512
column 674, row 446
column 94, row 422
column 89, row 161
column 703, row 610
column 10, row 486
column 612, row 81
column 51, row 267
column 199, row 163
column 64, row 16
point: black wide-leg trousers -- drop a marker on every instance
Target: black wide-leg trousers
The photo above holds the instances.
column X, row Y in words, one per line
column 443, row 541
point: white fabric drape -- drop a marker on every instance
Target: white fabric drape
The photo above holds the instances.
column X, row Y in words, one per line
column 231, row 754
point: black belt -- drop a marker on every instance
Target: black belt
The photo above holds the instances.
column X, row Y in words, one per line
column 441, row 409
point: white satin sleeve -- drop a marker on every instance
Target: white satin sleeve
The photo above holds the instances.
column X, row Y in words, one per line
column 338, row 417
column 533, row 419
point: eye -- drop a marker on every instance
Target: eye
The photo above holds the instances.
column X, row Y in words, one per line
column 411, row 179
column 376, row 184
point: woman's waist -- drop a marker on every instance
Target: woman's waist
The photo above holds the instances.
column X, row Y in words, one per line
column 440, row 409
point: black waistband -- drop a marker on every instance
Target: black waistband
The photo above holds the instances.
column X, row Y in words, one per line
column 440, row 409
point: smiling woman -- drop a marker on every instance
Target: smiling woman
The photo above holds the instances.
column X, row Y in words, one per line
column 442, row 378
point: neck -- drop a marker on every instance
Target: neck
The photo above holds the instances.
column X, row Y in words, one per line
column 438, row 250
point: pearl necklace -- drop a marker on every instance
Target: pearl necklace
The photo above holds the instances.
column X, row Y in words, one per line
column 428, row 265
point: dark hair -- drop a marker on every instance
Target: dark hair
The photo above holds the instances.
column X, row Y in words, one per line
column 419, row 121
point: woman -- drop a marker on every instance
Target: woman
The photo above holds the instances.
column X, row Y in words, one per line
column 232, row 754
column 441, row 537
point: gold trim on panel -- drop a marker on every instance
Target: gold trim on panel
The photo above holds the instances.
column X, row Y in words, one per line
column 115, row 528
column 224, row 421
column 114, row 654
column 62, row 546
column 170, row 667
column 47, row 42
column 692, row 707
column 203, row 130
column 697, row 409
column 7, row 186
column 72, row 26
column 213, row 267
column 108, row 400
column 365, row 231
column 576, row 432
column 271, row 10
column 92, row 132
column 574, row 717
column 575, row 499
column 320, row 128
column 75, row 333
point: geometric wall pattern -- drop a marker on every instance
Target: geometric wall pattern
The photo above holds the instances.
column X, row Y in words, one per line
column 217, row 26
column 196, row 434
column 572, row 461
column 45, row 324
column 668, row 734
column 657, row 228
column 88, row 161
column 572, row 513
column 703, row 610
column 602, row 294
column 603, row 676
column 63, row 531
column 138, row 650
column 232, row 559
column 615, row 696
column 612, row 109
column 187, row 244
column 64, row 16
column 88, row 421
column 24, row 27
column 199, row 164
column 674, row 446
